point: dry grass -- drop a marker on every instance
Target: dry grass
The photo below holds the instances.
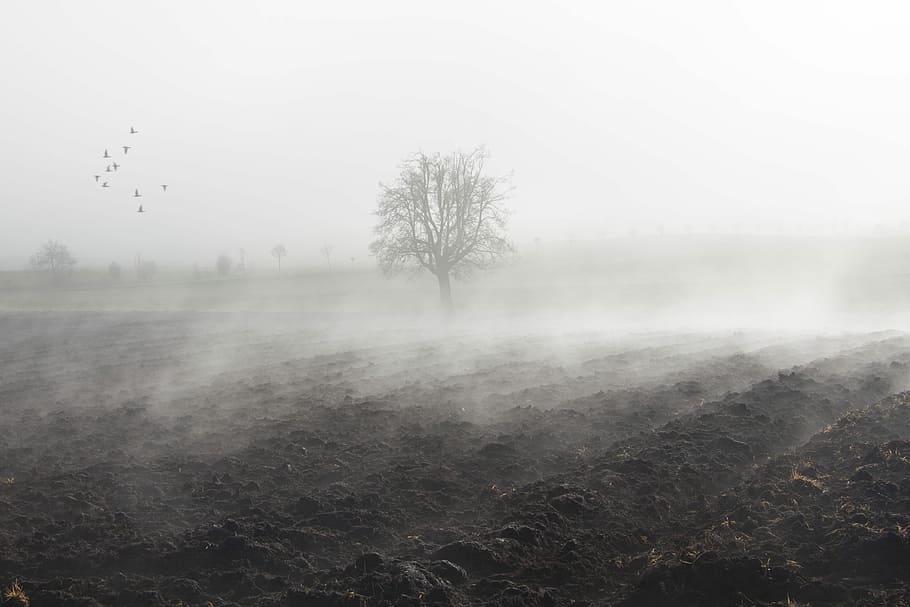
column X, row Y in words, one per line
column 796, row 475
column 893, row 454
column 15, row 593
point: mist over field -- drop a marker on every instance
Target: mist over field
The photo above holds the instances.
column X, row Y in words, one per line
column 408, row 304
column 684, row 282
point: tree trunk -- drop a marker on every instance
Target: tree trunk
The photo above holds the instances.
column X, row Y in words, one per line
column 445, row 292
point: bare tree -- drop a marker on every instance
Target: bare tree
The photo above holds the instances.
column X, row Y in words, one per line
column 241, row 267
column 55, row 258
column 279, row 251
column 326, row 251
column 444, row 215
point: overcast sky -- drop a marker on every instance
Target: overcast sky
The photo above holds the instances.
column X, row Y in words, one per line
column 274, row 121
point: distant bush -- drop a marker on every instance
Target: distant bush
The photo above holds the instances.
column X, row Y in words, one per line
column 114, row 271
column 223, row 265
column 145, row 270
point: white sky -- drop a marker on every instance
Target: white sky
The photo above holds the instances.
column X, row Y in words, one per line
column 274, row 121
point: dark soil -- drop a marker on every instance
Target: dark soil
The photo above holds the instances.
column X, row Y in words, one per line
column 166, row 460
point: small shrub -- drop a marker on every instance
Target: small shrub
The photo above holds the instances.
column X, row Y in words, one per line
column 223, row 265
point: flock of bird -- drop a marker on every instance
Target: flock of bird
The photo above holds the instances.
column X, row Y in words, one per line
column 113, row 167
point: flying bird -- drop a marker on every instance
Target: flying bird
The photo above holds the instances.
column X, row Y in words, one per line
column 106, row 155
column 126, row 149
column 133, row 131
column 141, row 210
column 116, row 166
column 97, row 177
column 137, row 194
column 104, row 185
column 164, row 187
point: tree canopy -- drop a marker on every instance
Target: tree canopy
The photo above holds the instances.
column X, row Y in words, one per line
column 55, row 258
column 442, row 214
